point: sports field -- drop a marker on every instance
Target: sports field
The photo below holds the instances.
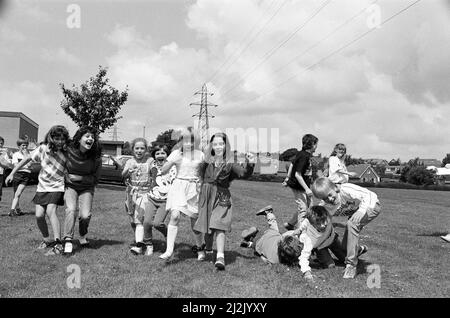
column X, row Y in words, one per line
column 403, row 241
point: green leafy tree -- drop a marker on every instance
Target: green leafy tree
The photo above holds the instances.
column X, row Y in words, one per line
column 395, row 162
column 353, row 161
column 95, row 103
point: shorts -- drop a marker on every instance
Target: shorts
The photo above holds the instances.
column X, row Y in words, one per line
column 20, row 177
column 45, row 198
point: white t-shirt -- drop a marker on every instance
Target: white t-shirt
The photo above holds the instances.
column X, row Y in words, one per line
column 18, row 157
column 187, row 163
column 335, row 164
column 5, row 158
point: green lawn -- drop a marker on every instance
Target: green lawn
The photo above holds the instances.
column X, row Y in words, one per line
column 404, row 241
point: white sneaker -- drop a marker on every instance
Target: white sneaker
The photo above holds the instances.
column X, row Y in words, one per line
column 68, row 248
column 166, row 256
column 149, row 250
column 446, row 238
column 136, row 250
column 201, row 255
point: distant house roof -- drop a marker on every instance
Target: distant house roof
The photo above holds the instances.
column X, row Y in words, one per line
column 430, row 162
column 19, row 115
column 440, row 171
column 377, row 161
column 360, row 169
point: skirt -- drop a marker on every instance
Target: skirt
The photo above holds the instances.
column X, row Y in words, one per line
column 183, row 196
column 215, row 209
column 45, row 198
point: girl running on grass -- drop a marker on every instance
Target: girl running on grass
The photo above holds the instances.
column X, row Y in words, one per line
column 138, row 180
column 215, row 205
column 83, row 169
column 156, row 213
column 50, row 190
column 21, row 177
column 183, row 194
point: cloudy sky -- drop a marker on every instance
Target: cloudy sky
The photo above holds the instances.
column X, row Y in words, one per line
column 286, row 66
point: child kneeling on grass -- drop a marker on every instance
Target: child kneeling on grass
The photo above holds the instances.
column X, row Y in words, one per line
column 333, row 198
column 273, row 247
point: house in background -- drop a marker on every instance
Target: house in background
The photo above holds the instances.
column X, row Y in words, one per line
column 393, row 171
column 364, row 173
column 377, row 162
column 15, row 125
column 429, row 162
column 112, row 147
column 442, row 174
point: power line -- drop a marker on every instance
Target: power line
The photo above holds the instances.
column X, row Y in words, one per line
column 254, row 38
column 276, row 48
column 337, row 50
column 324, row 38
column 243, row 40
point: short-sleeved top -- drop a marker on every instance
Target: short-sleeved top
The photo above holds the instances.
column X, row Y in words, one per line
column 5, row 157
column 335, row 164
column 188, row 163
column 53, row 168
column 80, row 164
column 301, row 164
column 18, row 157
column 140, row 177
column 161, row 182
column 267, row 245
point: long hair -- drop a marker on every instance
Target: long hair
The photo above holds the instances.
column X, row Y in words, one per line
column 56, row 131
column 339, row 147
column 227, row 155
column 95, row 151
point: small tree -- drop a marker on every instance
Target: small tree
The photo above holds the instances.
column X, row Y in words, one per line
column 165, row 138
column 420, row 175
column 446, row 160
column 95, row 103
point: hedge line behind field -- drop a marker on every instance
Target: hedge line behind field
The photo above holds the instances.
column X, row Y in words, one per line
column 389, row 185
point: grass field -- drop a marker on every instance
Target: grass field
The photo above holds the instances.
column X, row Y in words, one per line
column 404, row 241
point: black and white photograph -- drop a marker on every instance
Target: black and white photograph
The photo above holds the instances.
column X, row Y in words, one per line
column 225, row 153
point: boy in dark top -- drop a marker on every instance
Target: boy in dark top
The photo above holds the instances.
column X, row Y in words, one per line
column 299, row 179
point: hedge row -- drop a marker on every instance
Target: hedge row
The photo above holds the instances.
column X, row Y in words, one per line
column 389, row 185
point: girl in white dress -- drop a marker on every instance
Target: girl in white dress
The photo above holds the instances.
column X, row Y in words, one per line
column 337, row 171
column 183, row 194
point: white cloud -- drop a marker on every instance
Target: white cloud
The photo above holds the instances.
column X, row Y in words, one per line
column 60, row 55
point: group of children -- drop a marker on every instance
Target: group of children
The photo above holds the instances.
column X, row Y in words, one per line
column 310, row 228
column 68, row 175
column 184, row 181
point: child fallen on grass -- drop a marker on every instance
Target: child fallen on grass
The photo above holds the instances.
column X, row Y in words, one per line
column 273, row 247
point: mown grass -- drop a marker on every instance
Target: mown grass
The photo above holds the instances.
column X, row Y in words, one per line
column 404, row 241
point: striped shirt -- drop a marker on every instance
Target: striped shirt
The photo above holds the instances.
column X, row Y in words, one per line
column 311, row 238
column 53, row 168
column 350, row 192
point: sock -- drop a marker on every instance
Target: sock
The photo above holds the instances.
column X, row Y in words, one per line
column 220, row 255
column 139, row 233
column 42, row 225
column 133, row 226
column 171, row 236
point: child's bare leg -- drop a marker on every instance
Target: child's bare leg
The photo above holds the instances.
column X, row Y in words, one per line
column 220, row 243
column 198, row 236
column 51, row 212
column 42, row 223
column 17, row 194
column 272, row 221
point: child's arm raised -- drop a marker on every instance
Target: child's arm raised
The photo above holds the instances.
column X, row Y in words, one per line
column 244, row 172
